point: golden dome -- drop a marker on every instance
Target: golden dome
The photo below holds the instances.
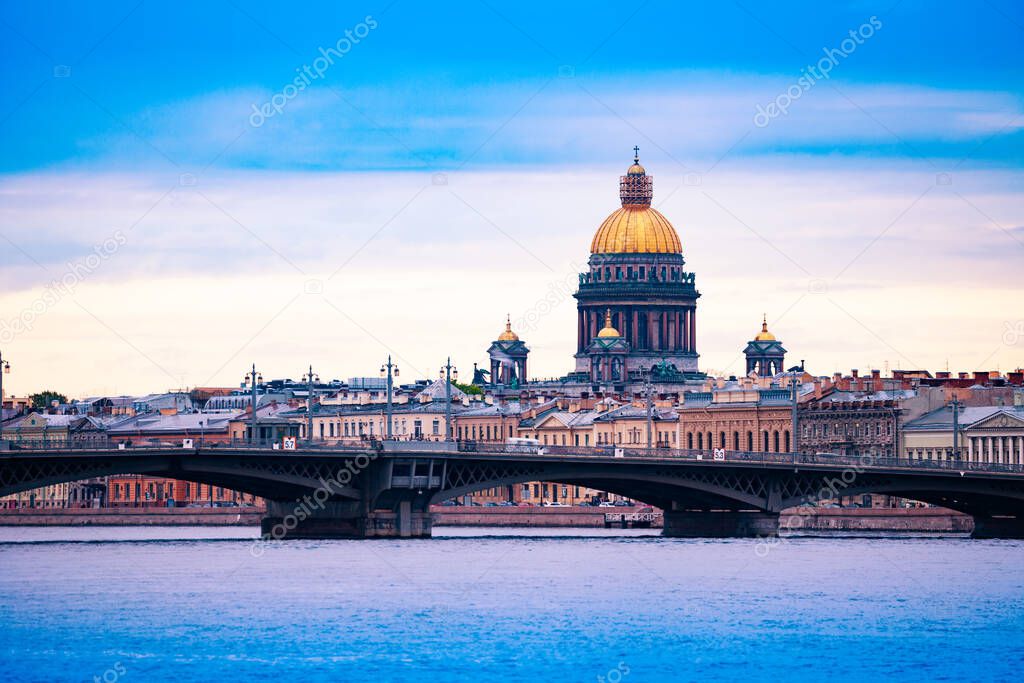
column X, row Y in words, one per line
column 608, row 330
column 764, row 334
column 636, row 228
column 508, row 334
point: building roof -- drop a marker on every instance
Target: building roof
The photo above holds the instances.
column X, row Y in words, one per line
column 180, row 422
column 942, row 418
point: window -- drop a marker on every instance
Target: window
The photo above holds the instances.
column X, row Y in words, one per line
column 436, row 426
column 417, row 428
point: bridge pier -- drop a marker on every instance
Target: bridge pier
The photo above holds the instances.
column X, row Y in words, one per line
column 725, row 524
column 291, row 520
column 998, row 527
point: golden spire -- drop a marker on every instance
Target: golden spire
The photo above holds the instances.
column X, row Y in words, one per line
column 764, row 334
column 608, row 330
column 508, row 334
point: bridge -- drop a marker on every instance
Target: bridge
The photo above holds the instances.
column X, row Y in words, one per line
column 385, row 489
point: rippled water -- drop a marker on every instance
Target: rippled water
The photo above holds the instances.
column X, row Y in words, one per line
column 132, row 604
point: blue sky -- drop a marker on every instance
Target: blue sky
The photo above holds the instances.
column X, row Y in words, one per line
column 430, row 83
column 452, row 165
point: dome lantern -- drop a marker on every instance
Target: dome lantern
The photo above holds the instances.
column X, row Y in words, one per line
column 636, row 228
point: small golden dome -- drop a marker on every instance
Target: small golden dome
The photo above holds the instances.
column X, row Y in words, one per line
column 608, row 330
column 636, row 229
column 764, row 334
column 508, row 334
column 636, row 168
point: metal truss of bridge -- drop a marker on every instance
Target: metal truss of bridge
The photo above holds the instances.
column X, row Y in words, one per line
column 385, row 489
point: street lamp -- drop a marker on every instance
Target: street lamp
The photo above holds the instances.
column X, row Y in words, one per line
column 6, row 371
column 956, row 405
column 310, row 378
column 448, row 373
column 650, row 406
column 255, row 378
column 389, row 370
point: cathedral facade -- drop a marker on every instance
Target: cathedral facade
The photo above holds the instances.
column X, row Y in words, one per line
column 637, row 304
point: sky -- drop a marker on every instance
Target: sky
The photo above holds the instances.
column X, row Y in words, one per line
column 186, row 192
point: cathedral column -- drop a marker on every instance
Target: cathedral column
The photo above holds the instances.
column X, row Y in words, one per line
column 686, row 330
column 693, row 330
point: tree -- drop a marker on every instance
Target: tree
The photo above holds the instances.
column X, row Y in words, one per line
column 468, row 388
column 44, row 398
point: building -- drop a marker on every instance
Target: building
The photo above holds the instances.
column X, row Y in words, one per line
column 988, row 434
column 138, row 490
column 739, row 415
column 508, row 358
column 764, row 353
column 637, row 285
column 422, row 418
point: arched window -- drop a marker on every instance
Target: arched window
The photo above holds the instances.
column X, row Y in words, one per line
column 700, row 441
column 788, row 447
column 764, row 445
column 721, row 440
column 776, row 440
column 750, row 441
column 689, row 440
column 735, row 441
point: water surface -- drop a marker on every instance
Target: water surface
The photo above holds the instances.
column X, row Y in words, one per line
column 131, row 603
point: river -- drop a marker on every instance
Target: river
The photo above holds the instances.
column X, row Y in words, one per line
column 144, row 604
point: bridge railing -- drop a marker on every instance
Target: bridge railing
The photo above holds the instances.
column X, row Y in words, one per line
column 753, row 457
column 107, row 443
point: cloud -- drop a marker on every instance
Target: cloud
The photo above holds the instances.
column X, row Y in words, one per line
column 841, row 254
column 693, row 117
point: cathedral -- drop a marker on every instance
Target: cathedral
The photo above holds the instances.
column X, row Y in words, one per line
column 637, row 304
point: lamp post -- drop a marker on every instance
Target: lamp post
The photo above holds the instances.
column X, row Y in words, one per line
column 650, row 407
column 448, row 373
column 310, row 378
column 390, row 371
column 956, row 405
column 793, row 430
column 255, row 378
column 5, row 369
